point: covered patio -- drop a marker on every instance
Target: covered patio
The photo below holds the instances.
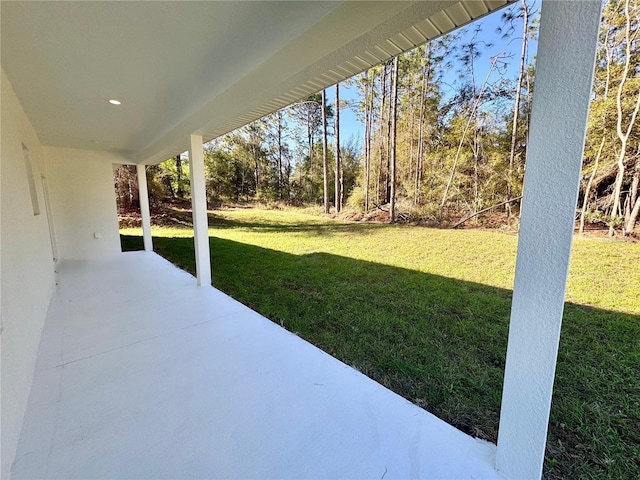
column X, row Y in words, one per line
column 119, row 365
column 142, row 374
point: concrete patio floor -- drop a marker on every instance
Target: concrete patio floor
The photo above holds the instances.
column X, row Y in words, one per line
column 141, row 374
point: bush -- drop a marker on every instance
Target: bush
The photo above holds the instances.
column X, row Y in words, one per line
column 597, row 216
column 356, row 199
column 429, row 213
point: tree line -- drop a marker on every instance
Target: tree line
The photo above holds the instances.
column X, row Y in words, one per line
column 444, row 134
column 611, row 169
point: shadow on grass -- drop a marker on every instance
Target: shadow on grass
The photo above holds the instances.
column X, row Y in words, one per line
column 441, row 343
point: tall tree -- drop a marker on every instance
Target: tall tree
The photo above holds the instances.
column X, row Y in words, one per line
column 179, row 190
column 426, row 61
column 339, row 180
column 394, row 131
column 325, row 152
column 308, row 112
column 524, row 9
column 381, row 124
column 281, row 148
column 368, row 106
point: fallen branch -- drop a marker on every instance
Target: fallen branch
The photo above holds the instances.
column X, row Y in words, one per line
column 380, row 208
column 456, row 225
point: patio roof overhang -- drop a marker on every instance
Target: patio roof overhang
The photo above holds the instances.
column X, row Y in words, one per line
column 204, row 68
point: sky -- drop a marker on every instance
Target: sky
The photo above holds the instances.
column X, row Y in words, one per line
column 351, row 126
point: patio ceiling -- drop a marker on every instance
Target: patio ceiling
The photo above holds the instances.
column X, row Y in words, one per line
column 205, row 68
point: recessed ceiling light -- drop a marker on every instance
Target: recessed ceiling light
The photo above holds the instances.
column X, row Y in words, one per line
column 115, row 102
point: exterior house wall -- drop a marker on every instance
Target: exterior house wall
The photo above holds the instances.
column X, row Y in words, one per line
column 83, row 201
column 27, row 267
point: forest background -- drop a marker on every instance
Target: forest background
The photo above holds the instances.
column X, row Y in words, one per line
column 437, row 135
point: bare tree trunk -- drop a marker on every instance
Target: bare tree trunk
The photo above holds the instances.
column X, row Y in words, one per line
column 622, row 135
column 423, row 89
column 393, row 133
column 516, row 107
column 528, row 118
column 426, row 74
column 338, row 182
column 475, row 151
column 587, row 190
column 635, row 183
column 367, row 141
column 634, row 201
column 311, row 139
column 412, row 122
column 633, row 218
column 179, row 190
column 280, row 146
column 383, row 85
column 256, row 164
column 325, row 159
column 387, row 176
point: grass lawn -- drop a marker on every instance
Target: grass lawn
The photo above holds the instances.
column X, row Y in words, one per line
column 425, row 312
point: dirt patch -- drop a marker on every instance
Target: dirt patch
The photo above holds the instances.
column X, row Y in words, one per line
column 171, row 215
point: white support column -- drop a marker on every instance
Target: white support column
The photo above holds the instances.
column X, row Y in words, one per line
column 199, row 207
column 564, row 73
column 143, row 194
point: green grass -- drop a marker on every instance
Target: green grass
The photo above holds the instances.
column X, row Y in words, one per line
column 425, row 312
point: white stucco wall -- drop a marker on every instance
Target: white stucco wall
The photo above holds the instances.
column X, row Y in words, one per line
column 27, row 269
column 83, row 201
